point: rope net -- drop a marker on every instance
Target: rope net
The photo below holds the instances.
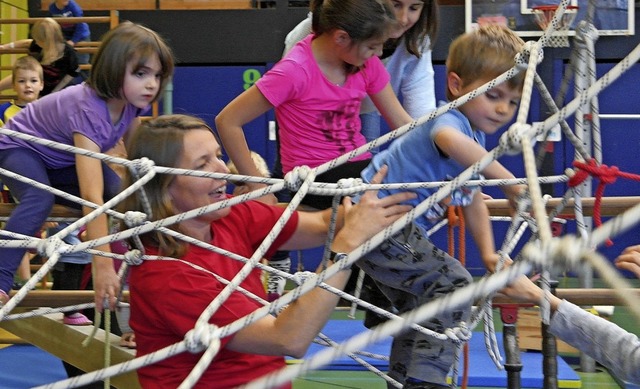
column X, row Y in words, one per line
column 543, row 252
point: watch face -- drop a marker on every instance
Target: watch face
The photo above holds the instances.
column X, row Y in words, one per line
column 335, row 257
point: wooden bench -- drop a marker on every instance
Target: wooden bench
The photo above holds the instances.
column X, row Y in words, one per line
column 132, row 5
column 58, row 211
column 611, row 206
column 65, row 342
column 204, row 4
column 102, row 5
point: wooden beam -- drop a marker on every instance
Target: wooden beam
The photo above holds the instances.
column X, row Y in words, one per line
column 582, row 296
column 611, row 206
column 204, row 4
column 57, row 211
column 65, row 342
column 102, row 5
column 59, row 298
column 84, row 19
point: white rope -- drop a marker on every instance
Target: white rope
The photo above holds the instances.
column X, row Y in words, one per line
column 545, row 251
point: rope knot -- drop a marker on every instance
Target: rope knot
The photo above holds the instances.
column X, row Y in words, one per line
column 134, row 218
column 296, row 177
column 141, row 166
column 522, row 58
column 511, row 140
column 133, row 257
column 586, row 32
column 201, row 337
column 459, row 334
column 605, row 174
column 302, row 276
column 48, row 247
column 609, row 174
column 346, row 183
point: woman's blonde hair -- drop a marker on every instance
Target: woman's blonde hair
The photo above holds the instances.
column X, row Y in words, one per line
column 127, row 43
column 49, row 33
column 161, row 140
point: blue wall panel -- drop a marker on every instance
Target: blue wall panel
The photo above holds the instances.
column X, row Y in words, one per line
column 204, row 90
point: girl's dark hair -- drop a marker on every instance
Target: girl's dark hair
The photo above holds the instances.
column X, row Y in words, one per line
column 361, row 19
column 426, row 26
column 161, row 140
column 125, row 44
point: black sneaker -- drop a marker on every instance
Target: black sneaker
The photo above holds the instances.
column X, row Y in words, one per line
column 413, row 383
column 17, row 285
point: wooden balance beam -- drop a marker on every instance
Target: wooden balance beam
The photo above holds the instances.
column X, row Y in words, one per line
column 580, row 296
column 50, row 334
column 58, row 211
column 610, row 206
column 65, row 342
column 59, row 298
column 62, row 298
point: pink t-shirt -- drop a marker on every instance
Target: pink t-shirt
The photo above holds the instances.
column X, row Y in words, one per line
column 318, row 120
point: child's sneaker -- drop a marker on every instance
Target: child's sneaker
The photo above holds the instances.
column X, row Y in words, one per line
column 277, row 283
column 77, row 319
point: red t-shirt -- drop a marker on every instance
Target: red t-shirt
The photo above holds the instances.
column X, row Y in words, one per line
column 167, row 297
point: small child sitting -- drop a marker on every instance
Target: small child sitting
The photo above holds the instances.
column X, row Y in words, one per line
column 280, row 260
column 27, row 81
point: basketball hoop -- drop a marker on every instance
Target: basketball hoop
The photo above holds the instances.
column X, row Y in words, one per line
column 544, row 15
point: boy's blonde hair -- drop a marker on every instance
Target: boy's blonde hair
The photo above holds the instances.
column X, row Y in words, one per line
column 484, row 54
column 26, row 63
column 260, row 163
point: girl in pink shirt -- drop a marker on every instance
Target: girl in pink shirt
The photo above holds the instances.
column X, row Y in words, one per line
column 317, row 90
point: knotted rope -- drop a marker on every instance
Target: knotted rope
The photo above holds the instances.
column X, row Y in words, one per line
column 605, row 175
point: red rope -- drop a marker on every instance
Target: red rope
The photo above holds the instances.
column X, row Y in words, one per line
column 606, row 175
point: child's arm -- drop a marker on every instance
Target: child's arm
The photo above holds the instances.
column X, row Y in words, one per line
column 296, row 327
column 63, row 83
column 313, row 226
column 105, row 279
column 243, row 109
column 466, row 152
column 5, row 83
column 19, row 44
column 476, row 217
column 390, row 108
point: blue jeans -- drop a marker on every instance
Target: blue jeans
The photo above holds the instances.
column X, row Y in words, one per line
column 34, row 205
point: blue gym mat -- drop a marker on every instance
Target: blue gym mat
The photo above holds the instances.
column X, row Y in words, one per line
column 25, row 366
column 482, row 370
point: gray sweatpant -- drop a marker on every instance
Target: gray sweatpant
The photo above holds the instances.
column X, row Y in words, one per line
column 411, row 271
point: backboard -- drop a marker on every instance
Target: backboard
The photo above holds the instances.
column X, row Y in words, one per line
column 612, row 17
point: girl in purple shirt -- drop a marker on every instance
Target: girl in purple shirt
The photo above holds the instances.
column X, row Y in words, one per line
column 129, row 71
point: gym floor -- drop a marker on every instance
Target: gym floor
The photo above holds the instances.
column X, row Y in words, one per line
column 600, row 379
